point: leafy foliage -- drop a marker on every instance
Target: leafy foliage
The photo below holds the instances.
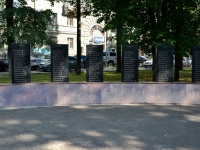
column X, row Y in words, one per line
column 29, row 25
column 110, row 12
column 113, row 13
column 165, row 22
column 23, row 24
column 152, row 22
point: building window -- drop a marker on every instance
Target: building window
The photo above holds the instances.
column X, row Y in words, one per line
column 54, row 19
column 54, row 39
column 53, row 25
column 70, row 42
column 70, row 21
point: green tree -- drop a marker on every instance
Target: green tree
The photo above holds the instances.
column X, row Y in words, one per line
column 33, row 31
column 28, row 26
column 157, row 22
column 149, row 23
column 24, row 24
column 184, row 30
column 113, row 14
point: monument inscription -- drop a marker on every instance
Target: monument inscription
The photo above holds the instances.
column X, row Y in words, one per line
column 59, row 63
column 20, row 61
column 94, row 63
column 196, row 63
column 164, row 63
column 130, row 63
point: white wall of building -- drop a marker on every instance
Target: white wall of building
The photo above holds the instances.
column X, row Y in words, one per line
column 64, row 31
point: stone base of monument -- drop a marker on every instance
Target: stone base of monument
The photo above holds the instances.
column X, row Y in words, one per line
column 63, row 94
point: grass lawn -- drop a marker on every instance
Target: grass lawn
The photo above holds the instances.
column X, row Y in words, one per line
column 144, row 76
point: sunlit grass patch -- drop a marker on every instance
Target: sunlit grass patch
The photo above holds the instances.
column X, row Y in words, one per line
column 109, row 76
column 145, row 75
column 112, row 76
column 5, row 78
column 185, row 75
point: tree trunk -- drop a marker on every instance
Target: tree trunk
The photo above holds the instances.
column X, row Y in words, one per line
column 9, row 23
column 178, row 30
column 153, row 23
column 154, row 64
column 119, row 38
column 180, row 63
column 78, row 67
column 177, row 64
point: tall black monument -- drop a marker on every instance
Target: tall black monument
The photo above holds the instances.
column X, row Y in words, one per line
column 164, row 63
column 20, row 61
column 59, row 63
column 129, row 63
column 196, row 63
column 94, row 63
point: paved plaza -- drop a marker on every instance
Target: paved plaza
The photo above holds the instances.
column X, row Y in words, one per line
column 101, row 127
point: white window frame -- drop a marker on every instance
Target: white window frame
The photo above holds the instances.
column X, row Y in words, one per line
column 70, row 22
column 70, row 42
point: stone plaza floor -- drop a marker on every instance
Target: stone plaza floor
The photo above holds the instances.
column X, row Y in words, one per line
column 101, row 127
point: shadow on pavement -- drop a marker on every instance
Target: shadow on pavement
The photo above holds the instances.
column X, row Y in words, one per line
column 117, row 127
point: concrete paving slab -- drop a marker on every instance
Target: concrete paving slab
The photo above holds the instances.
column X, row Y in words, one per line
column 96, row 127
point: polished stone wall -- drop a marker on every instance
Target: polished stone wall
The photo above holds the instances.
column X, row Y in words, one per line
column 62, row 94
